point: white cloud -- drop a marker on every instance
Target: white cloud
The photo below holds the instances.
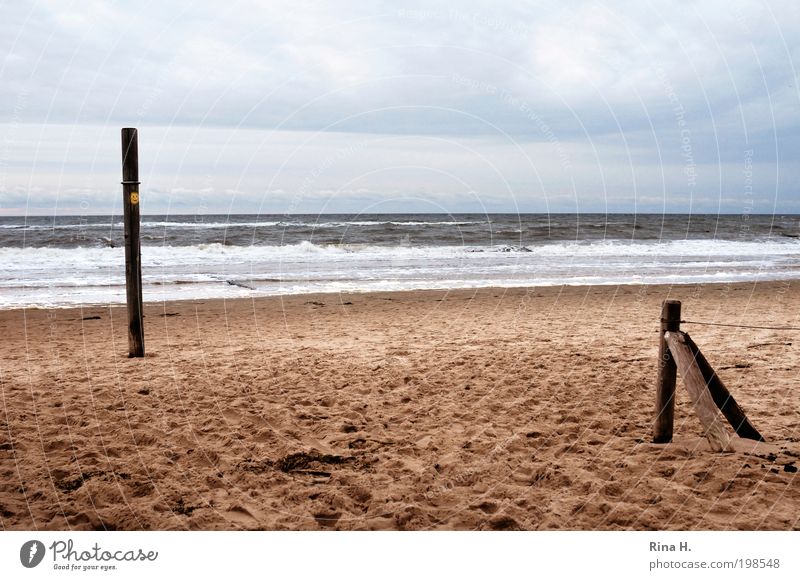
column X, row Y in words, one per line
column 564, row 81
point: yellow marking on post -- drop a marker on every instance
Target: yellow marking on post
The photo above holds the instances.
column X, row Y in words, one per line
column 134, row 197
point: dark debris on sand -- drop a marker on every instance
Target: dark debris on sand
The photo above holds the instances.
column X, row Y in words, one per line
column 306, row 461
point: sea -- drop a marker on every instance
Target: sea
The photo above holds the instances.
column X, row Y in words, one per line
column 80, row 260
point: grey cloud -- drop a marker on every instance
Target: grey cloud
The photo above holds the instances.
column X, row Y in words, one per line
column 556, row 78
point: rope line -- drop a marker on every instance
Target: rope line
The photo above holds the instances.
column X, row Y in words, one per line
column 741, row 325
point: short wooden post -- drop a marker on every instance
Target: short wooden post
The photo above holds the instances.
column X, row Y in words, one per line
column 667, row 371
column 133, row 263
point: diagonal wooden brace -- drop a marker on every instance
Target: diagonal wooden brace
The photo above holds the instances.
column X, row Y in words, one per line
column 695, row 383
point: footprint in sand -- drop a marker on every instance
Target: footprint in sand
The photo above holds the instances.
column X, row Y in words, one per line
column 488, row 507
column 327, row 519
column 242, row 516
column 232, row 416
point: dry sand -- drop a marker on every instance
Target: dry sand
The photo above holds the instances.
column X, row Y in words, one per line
column 490, row 409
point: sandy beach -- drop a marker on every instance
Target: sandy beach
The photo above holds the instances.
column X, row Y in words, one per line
column 473, row 410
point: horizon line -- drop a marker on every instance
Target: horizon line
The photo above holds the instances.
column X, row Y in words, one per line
column 721, row 213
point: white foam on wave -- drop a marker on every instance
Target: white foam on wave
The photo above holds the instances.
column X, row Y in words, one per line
column 781, row 246
column 57, row 276
column 23, row 257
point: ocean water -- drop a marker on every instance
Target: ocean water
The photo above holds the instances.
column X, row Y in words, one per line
column 73, row 260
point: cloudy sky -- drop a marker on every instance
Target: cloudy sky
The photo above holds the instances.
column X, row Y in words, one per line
column 274, row 106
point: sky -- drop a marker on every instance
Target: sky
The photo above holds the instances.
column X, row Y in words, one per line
column 370, row 107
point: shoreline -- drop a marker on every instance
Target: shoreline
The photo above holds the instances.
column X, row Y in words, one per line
column 480, row 409
column 666, row 288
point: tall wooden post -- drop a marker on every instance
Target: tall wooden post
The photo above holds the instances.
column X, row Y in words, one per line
column 133, row 262
column 667, row 371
